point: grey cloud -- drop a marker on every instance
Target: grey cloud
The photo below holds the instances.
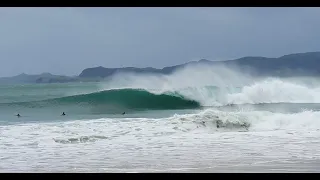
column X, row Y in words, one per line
column 67, row 40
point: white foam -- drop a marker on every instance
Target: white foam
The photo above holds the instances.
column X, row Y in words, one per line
column 234, row 87
column 159, row 144
column 274, row 91
column 190, row 76
column 258, row 120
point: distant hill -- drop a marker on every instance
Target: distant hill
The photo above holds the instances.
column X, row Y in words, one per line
column 299, row 64
column 25, row 78
column 43, row 78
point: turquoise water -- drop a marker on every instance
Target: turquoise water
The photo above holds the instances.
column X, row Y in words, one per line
column 11, row 95
column 83, row 101
column 46, row 102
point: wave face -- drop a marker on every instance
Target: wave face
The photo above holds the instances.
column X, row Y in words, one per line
column 133, row 99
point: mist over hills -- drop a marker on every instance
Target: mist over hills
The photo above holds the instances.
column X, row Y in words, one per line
column 298, row 64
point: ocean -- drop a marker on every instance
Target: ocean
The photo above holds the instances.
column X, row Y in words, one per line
column 196, row 120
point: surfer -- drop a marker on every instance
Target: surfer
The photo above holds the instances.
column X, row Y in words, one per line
column 18, row 115
column 63, row 114
column 123, row 113
column 218, row 123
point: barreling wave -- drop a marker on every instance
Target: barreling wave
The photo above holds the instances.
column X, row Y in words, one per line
column 268, row 93
column 134, row 99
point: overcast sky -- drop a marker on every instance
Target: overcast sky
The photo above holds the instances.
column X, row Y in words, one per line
column 67, row 40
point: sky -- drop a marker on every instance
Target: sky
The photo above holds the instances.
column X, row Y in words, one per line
column 65, row 41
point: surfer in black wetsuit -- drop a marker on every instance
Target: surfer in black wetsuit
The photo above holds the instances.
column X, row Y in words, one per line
column 123, row 113
column 218, row 123
column 18, row 115
column 63, row 114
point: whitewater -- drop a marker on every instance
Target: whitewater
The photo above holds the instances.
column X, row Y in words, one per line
column 198, row 119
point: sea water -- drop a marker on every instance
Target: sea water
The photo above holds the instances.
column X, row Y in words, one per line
column 147, row 123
